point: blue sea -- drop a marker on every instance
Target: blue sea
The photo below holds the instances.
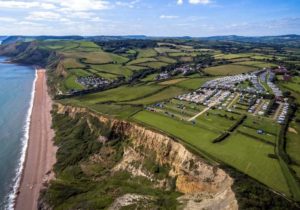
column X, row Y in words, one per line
column 16, row 85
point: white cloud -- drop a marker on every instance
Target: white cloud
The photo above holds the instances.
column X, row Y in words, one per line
column 79, row 14
column 96, row 19
column 43, row 16
column 25, row 5
column 7, row 19
column 29, row 23
column 168, row 17
column 199, row 1
column 179, row 2
column 81, row 5
column 71, row 5
column 130, row 4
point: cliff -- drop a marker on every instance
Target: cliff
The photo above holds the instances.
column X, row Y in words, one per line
column 202, row 186
column 29, row 53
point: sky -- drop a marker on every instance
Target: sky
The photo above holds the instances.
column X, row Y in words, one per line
column 197, row 18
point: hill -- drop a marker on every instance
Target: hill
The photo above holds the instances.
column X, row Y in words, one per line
column 282, row 39
column 12, row 39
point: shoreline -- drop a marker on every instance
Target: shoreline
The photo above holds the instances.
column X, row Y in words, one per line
column 39, row 155
column 21, row 163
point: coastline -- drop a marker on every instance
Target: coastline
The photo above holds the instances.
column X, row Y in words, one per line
column 38, row 152
column 18, row 177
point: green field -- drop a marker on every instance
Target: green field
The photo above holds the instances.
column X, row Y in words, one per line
column 232, row 56
column 166, row 59
column 192, row 83
column 239, row 151
column 141, row 60
column 262, row 123
column 123, row 93
column 114, row 69
column 229, row 69
column 218, row 120
column 163, row 50
column 71, row 84
column 257, row 64
column 153, row 65
column 147, row 53
column 166, row 93
column 293, row 85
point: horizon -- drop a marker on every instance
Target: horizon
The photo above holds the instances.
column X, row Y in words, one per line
column 171, row 18
column 141, row 35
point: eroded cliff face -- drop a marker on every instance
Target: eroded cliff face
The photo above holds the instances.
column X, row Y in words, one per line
column 203, row 186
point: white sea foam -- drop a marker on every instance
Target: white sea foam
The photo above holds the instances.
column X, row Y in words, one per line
column 17, row 179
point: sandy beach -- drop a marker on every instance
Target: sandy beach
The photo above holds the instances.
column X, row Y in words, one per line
column 40, row 155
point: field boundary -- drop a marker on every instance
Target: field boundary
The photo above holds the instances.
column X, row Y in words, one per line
column 290, row 178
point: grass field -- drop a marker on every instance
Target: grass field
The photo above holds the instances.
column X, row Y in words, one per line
column 167, row 93
column 241, row 152
column 166, row 59
column 150, row 77
column 262, row 123
column 192, row 83
column 229, row 69
column 141, row 60
column 72, row 63
column 153, row 65
column 232, row 56
column 257, row 64
column 123, row 93
column 172, row 81
column 218, row 120
column 70, row 83
column 113, row 68
column 115, row 110
column 163, row 50
column 293, row 85
column 171, row 126
column 293, row 143
column 147, row 53
column 267, row 137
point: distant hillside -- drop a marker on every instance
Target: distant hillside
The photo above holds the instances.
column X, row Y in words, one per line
column 283, row 39
column 113, row 38
column 2, row 38
column 12, row 39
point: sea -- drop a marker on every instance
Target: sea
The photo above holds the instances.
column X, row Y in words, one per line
column 16, row 100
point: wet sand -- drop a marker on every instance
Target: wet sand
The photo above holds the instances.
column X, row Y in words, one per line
column 40, row 155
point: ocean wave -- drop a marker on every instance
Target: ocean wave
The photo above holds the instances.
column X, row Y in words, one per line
column 17, row 179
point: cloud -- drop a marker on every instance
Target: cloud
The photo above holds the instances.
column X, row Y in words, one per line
column 179, row 2
column 168, row 17
column 7, row 19
column 25, row 5
column 71, row 5
column 43, row 16
column 130, row 4
column 199, row 1
column 29, row 23
column 81, row 5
